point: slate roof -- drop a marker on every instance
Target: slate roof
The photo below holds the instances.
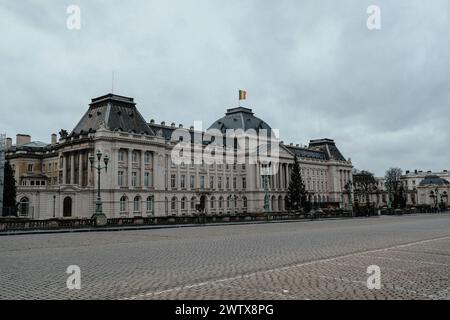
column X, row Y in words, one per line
column 433, row 180
column 327, row 146
column 307, row 153
column 240, row 118
column 115, row 113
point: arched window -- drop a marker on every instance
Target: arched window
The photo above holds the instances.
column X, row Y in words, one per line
column 183, row 203
column 123, row 204
column 137, row 204
column 280, row 203
column 149, row 204
column 67, row 207
column 220, row 202
column 173, row 204
column 228, row 201
column 244, row 202
column 213, row 200
column 24, row 206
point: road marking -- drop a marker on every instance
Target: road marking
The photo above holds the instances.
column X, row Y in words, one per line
column 278, row 269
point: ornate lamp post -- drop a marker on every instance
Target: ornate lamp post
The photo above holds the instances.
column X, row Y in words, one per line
column 99, row 216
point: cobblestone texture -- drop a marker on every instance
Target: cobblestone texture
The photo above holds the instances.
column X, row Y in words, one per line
column 299, row 260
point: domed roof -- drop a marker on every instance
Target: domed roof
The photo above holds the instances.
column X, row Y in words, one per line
column 433, row 180
column 240, row 118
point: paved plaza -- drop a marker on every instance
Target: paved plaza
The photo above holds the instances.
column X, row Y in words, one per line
column 295, row 260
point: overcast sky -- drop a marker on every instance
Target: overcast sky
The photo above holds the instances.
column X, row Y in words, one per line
column 311, row 69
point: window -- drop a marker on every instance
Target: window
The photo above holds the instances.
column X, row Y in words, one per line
column 24, row 206
column 134, row 179
column 147, row 179
column 211, row 182
column 120, row 178
column 193, row 203
column 30, row 168
column 243, row 167
column 134, row 156
column 192, row 182
column 173, row 181
column 228, row 183
column 219, row 182
column 228, row 201
column 244, row 183
column 147, row 157
column 202, row 182
column 234, row 183
column 213, row 200
column 220, row 203
column 149, row 203
column 173, row 204
column 121, row 155
column 136, row 204
column 183, row 203
column 123, row 204
column 244, row 202
column 183, row 181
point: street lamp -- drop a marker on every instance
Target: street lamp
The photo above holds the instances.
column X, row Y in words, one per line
column 54, row 206
column 99, row 215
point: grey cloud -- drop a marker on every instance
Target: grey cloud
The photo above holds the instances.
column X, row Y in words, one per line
column 311, row 69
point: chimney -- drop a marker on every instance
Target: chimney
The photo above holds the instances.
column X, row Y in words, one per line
column 8, row 143
column 163, row 123
column 407, row 172
column 22, row 139
column 180, row 126
column 53, row 138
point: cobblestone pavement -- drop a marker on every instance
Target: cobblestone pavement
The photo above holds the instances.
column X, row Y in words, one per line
column 298, row 260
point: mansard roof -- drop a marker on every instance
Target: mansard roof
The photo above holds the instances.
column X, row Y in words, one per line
column 327, row 146
column 115, row 113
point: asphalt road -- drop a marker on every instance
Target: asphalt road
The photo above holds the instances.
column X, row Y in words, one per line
column 297, row 260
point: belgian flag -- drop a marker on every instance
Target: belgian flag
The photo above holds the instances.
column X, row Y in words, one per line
column 242, row 94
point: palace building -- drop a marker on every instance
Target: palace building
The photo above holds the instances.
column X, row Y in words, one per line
column 56, row 179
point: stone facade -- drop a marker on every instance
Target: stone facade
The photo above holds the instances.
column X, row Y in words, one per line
column 56, row 179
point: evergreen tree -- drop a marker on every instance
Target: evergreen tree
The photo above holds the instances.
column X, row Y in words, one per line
column 297, row 192
column 9, row 187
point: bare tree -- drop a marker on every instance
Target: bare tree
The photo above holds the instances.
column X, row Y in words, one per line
column 364, row 184
column 394, row 187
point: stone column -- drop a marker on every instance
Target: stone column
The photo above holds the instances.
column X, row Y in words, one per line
column 80, row 168
column 143, row 168
column 64, row 168
column 130, row 166
column 72, row 168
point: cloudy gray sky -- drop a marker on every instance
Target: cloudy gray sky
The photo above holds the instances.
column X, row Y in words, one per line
column 311, row 69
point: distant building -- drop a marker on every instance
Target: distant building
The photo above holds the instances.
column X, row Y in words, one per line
column 421, row 187
column 56, row 180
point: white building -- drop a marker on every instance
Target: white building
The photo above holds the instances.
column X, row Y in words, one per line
column 56, row 179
